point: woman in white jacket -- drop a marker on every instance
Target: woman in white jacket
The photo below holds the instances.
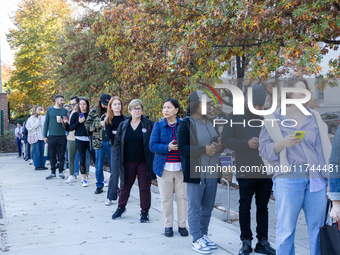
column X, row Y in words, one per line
column 35, row 127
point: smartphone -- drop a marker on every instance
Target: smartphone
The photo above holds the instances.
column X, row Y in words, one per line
column 174, row 142
column 81, row 115
column 299, row 134
column 215, row 139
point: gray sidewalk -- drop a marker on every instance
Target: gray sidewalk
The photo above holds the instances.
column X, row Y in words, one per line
column 52, row 217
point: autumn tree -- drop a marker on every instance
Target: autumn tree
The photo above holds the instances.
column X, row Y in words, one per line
column 38, row 26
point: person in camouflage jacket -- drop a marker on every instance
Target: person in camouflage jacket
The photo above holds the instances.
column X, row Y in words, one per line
column 100, row 142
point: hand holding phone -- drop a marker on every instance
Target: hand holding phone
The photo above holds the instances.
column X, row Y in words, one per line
column 299, row 134
column 81, row 115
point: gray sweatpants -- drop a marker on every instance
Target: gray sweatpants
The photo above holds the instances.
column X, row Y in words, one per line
column 201, row 200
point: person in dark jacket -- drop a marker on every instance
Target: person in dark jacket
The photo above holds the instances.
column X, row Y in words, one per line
column 100, row 142
column 134, row 158
column 167, row 166
column 244, row 140
column 113, row 118
column 81, row 136
column 196, row 136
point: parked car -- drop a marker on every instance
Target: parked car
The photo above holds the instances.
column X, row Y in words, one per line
column 332, row 120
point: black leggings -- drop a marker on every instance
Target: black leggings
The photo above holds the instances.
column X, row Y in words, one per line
column 82, row 146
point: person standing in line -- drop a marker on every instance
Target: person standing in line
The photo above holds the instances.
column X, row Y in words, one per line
column 95, row 123
column 243, row 139
column 81, row 136
column 168, row 168
column 197, row 143
column 57, row 137
column 18, row 134
column 134, row 159
column 36, row 128
column 72, row 149
column 27, row 153
column 301, row 169
column 113, row 118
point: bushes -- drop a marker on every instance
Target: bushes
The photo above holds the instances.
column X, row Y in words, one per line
column 8, row 142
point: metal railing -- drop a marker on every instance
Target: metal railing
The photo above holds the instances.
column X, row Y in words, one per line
column 228, row 204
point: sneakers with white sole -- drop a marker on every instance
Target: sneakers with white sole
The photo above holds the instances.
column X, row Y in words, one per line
column 30, row 162
column 70, row 179
column 85, row 183
column 209, row 243
column 105, row 184
column 200, row 246
column 47, row 162
column 108, row 202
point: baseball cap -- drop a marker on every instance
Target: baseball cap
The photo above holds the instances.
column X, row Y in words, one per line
column 104, row 99
column 196, row 96
column 259, row 94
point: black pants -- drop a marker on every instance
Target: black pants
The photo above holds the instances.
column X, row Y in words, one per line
column 262, row 189
column 82, row 146
column 57, row 145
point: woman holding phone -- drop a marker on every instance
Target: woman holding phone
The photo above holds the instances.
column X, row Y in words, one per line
column 113, row 118
column 81, row 136
column 168, row 168
column 35, row 129
column 301, row 169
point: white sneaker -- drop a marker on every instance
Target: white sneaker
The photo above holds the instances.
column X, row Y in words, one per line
column 200, row 246
column 30, row 162
column 48, row 162
column 105, row 184
column 70, row 179
column 108, row 202
column 85, row 183
column 209, row 243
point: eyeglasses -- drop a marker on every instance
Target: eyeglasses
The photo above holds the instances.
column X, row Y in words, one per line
column 73, row 104
column 136, row 109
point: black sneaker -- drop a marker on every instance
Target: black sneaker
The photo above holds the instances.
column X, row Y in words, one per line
column 50, row 176
column 61, row 176
column 98, row 190
column 144, row 217
column 118, row 213
column 263, row 246
column 246, row 247
column 183, row 231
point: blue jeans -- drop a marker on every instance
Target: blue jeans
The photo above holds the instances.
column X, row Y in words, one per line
column 76, row 163
column 19, row 146
column 100, row 156
column 38, row 153
column 292, row 194
column 201, row 200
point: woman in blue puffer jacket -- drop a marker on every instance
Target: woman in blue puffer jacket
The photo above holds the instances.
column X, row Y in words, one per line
column 168, row 168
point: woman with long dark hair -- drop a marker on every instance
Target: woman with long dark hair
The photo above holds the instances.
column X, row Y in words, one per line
column 95, row 123
column 81, row 136
column 113, row 118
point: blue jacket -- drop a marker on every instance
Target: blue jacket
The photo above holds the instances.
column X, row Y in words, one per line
column 159, row 141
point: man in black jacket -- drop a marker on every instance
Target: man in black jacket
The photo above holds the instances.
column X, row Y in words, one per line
column 243, row 139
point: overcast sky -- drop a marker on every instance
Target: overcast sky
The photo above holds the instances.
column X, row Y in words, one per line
column 7, row 7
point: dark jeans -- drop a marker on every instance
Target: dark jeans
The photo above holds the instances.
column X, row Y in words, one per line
column 82, row 146
column 57, row 145
column 262, row 189
column 113, row 183
column 131, row 170
column 38, row 153
column 19, row 146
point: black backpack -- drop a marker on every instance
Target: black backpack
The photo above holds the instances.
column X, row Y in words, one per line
column 24, row 129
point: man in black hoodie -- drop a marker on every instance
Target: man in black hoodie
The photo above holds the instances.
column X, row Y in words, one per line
column 243, row 139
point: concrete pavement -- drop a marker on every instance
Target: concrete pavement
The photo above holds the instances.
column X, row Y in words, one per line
column 52, row 217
